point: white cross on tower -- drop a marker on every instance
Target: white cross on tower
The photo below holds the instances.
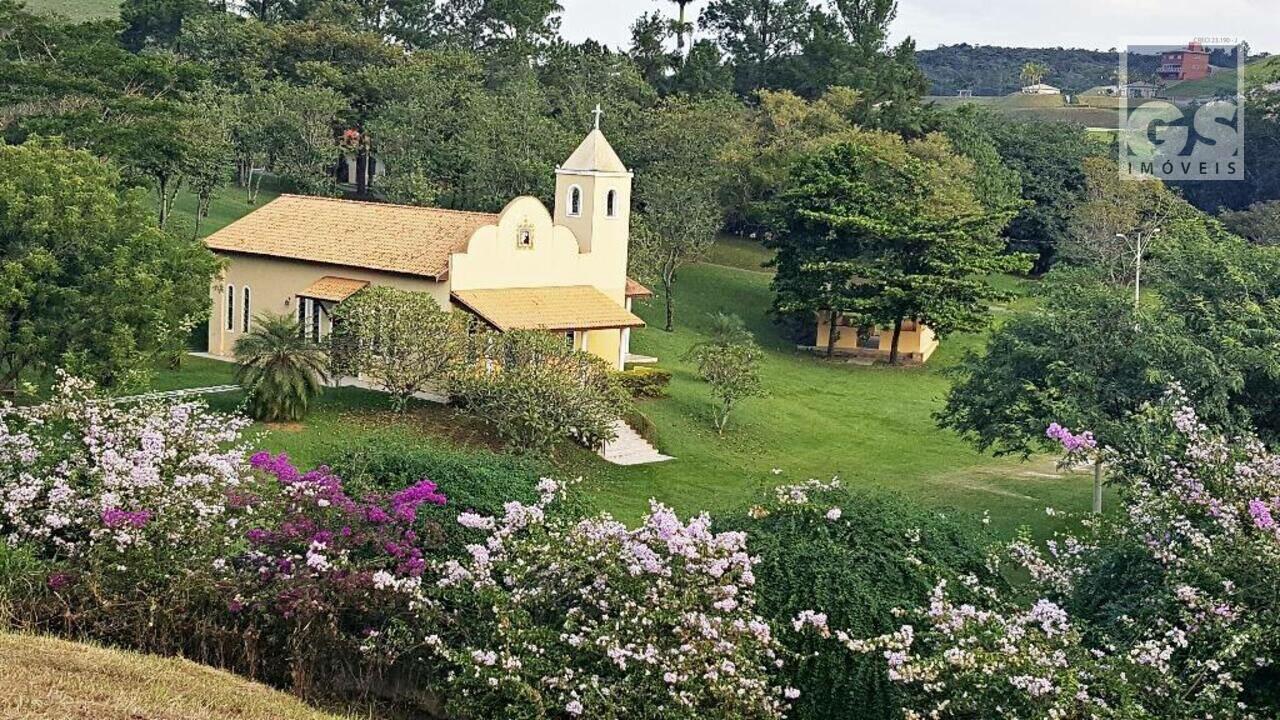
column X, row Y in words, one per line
column 598, row 112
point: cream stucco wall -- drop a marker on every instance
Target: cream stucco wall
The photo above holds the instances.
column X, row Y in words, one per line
column 494, row 259
column 275, row 283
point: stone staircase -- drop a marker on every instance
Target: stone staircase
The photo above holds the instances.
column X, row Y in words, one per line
column 629, row 448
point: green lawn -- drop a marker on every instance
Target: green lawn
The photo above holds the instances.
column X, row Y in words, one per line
column 77, row 9
column 229, row 204
column 871, row 426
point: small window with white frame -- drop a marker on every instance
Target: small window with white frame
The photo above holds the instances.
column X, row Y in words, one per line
column 570, row 339
column 575, row 201
column 611, row 204
column 231, row 308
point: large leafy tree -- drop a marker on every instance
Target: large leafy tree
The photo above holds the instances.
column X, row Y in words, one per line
column 157, row 22
column 1088, row 358
column 898, row 221
column 88, row 281
column 401, row 340
column 1116, row 211
column 280, row 368
column 1048, row 157
column 760, row 35
column 680, row 144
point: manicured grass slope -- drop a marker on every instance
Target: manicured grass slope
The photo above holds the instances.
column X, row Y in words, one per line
column 872, row 426
column 46, row 679
column 77, row 9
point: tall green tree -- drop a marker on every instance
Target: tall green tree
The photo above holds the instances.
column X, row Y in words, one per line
column 648, row 48
column 157, row 22
column 1048, row 157
column 680, row 146
column 88, row 280
column 682, row 26
column 281, row 370
column 1088, row 359
column 1033, row 72
column 899, row 220
column 759, row 35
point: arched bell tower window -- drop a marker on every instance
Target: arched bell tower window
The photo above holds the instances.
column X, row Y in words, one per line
column 611, row 204
column 575, row 201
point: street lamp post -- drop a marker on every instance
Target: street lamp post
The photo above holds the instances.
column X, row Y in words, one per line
column 1139, row 250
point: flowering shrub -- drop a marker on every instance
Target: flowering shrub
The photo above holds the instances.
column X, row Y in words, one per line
column 106, row 500
column 327, row 572
column 551, row 617
column 76, row 474
column 854, row 556
column 1166, row 612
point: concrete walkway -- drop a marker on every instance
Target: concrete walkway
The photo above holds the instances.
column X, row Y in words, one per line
column 173, row 394
column 629, row 448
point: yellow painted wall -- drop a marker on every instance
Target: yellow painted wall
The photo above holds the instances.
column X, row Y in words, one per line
column 274, row 284
column 922, row 341
column 494, row 259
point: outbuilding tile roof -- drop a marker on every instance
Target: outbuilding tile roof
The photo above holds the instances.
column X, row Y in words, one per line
column 377, row 236
column 636, row 290
column 576, row 307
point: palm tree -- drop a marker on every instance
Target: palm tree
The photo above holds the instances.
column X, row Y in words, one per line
column 1034, row 72
column 281, row 370
column 681, row 26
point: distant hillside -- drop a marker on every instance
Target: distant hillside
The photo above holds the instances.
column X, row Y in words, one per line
column 992, row 70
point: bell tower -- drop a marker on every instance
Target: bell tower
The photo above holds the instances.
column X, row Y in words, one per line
column 593, row 199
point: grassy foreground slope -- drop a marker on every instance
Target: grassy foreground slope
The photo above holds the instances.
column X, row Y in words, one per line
column 47, row 679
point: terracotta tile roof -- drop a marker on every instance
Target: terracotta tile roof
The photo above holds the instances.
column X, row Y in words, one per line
column 577, row 307
column 377, row 236
column 636, row 290
column 334, row 288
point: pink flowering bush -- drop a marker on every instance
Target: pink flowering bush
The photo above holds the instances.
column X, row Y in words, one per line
column 324, row 576
column 551, row 617
column 1166, row 611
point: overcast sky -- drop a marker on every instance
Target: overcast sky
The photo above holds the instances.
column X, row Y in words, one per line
column 1096, row 24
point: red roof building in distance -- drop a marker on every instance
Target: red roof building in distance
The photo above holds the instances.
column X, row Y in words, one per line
column 1190, row 63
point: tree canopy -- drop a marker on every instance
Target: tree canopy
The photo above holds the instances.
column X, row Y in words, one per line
column 89, row 282
column 883, row 230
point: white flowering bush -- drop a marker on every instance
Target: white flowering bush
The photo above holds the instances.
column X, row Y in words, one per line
column 77, row 474
column 1166, row 611
column 551, row 617
column 116, row 506
column 833, row 556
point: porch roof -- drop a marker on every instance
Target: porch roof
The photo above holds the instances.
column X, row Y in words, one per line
column 333, row 288
column 576, row 307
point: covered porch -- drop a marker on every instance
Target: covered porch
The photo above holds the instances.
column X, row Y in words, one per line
column 588, row 319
